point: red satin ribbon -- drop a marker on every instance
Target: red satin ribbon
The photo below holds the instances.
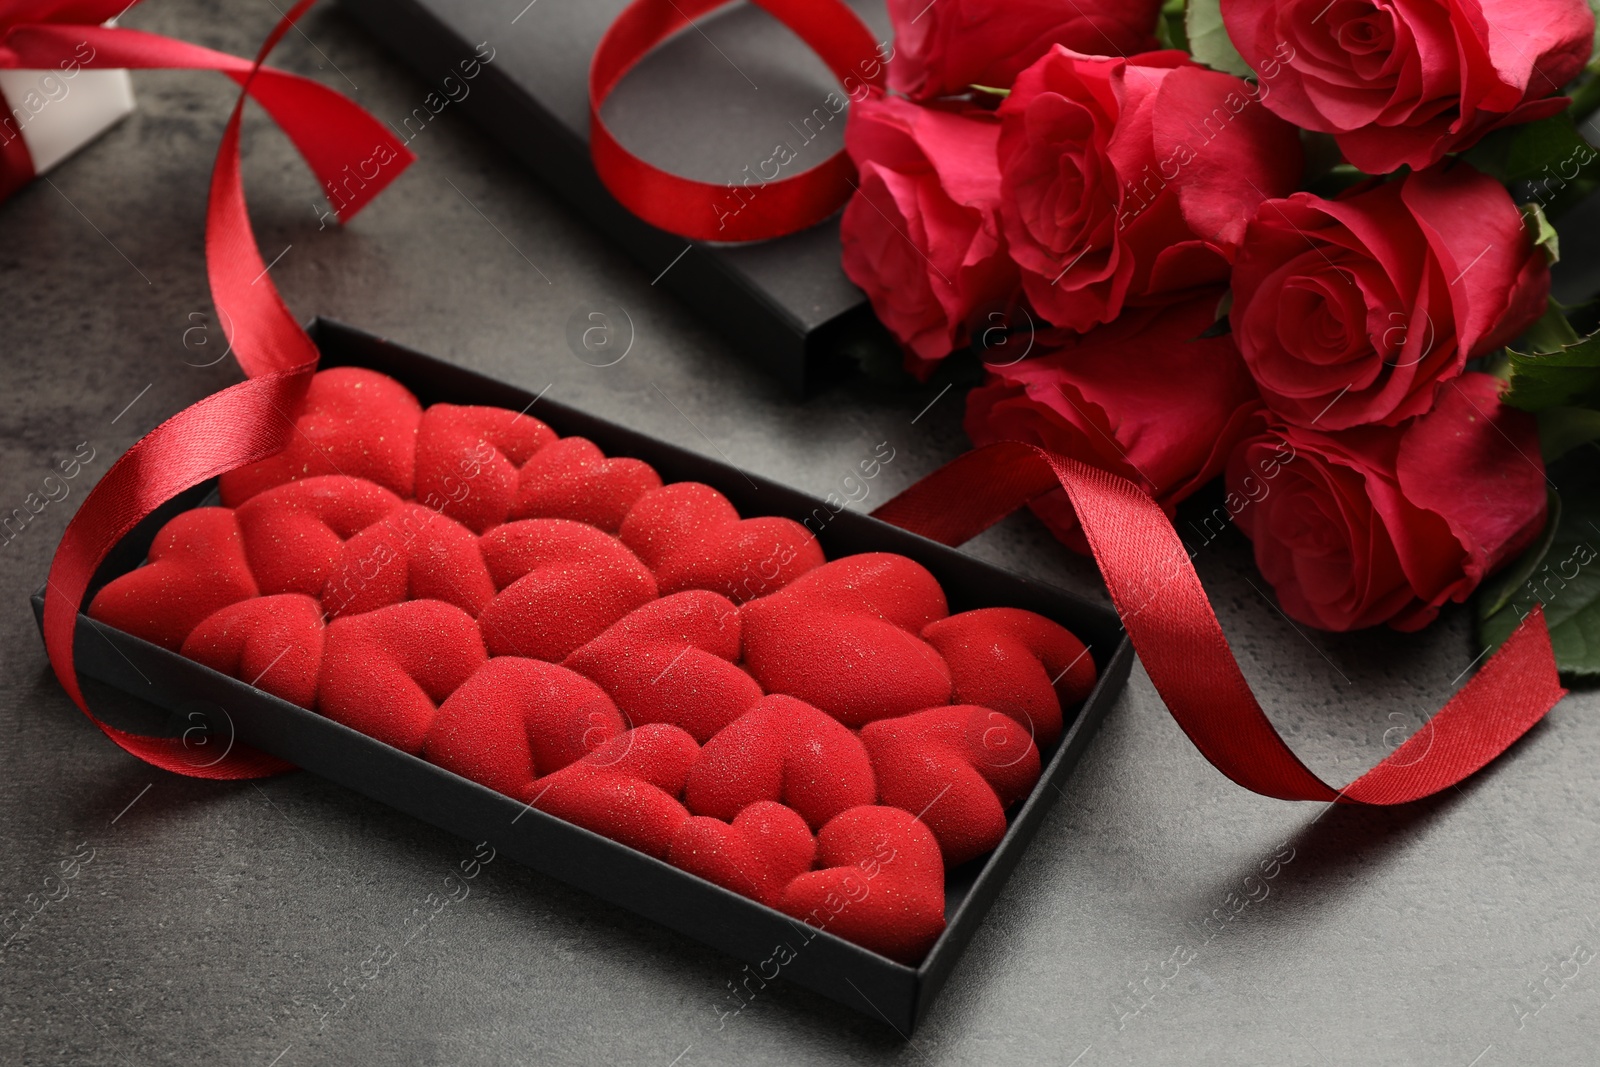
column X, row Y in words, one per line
column 704, row 211
column 246, row 422
column 1165, row 611
column 339, row 141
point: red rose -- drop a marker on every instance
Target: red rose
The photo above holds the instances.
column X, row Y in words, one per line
column 1404, row 83
column 944, row 47
column 921, row 234
column 1353, row 311
column 1130, row 181
column 1144, row 397
column 1382, row 524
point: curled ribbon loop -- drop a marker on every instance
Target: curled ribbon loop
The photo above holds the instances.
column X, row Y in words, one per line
column 246, row 422
column 705, row 211
column 1158, row 595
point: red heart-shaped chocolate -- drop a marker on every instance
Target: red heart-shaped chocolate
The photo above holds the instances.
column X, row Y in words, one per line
column 197, row 566
column 294, row 534
column 881, row 884
column 785, row 750
column 626, row 789
column 957, row 769
column 470, row 459
column 518, row 719
column 693, row 538
column 562, row 583
column 354, row 422
column 414, row 553
column 572, row 479
column 884, row 585
column 273, row 643
column 844, row 638
column 386, row 672
column 1016, row 662
column 765, row 847
column 673, row 661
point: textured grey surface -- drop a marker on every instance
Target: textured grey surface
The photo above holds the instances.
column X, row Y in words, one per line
column 217, row 922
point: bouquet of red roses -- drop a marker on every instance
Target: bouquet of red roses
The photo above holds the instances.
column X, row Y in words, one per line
column 1302, row 244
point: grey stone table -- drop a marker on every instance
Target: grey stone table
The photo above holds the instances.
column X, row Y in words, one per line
column 218, row 922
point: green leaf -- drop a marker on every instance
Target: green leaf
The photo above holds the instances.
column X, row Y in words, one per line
column 1209, row 41
column 1222, row 325
column 1550, row 154
column 1544, row 234
column 1563, row 429
column 1586, row 97
column 1569, row 376
column 1332, row 180
column 991, row 90
column 1550, row 332
column 1170, row 30
column 1542, row 149
column 1225, row 305
column 1491, row 153
column 1567, row 578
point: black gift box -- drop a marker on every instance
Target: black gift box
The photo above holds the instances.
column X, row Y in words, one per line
column 705, row 105
column 217, row 711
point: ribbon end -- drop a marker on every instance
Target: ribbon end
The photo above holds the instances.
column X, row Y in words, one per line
column 358, row 184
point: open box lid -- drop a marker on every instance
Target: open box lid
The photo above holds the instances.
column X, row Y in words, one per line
column 786, row 303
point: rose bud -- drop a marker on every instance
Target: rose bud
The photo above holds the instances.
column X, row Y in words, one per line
column 1404, row 84
column 1131, row 181
column 944, row 48
column 1145, row 397
column 1385, row 524
column 1352, row 311
column 921, row 235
